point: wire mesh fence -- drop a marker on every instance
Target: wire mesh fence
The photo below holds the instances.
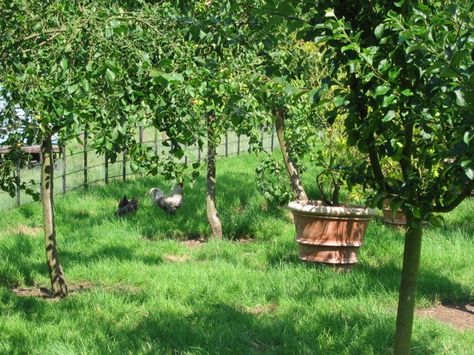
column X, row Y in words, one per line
column 77, row 166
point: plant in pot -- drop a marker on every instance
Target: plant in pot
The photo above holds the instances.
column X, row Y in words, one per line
column 327, row 230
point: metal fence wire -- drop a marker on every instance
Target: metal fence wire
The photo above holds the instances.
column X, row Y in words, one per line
column 77, row 166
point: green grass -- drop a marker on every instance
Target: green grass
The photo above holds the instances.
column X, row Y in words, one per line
column 225, row 297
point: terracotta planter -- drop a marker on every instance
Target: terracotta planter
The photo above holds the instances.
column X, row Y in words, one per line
column 397, row 220
column 327, row 234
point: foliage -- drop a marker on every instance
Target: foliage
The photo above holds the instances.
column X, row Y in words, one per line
column 146, row 291
column 408, row 80
column 407, row 71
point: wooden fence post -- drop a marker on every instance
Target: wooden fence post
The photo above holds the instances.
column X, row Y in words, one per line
column 18, row 181
column 140, row 135
column 106, row 172
column 124, row 166
column 226, row 144
column 85, row 159
column 63, row 149
column 238, row 144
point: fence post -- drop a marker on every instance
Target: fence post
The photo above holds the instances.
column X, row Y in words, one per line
column 106, row 177
column 85, row 159
column 140, row 135
column 238, row 144
column 64, row 168
column 124, row 166
column 18, row 181
column 226, row 144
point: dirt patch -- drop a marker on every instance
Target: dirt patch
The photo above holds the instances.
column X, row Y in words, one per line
column 176, row 258
column 261, row 309
column 244, row 240
column 26, row 230
column 194, row 242
column 460, row 316
column 45, row 293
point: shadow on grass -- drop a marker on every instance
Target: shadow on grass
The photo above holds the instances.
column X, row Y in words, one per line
column 18, row 262
column 223, row 328
column 114, row 253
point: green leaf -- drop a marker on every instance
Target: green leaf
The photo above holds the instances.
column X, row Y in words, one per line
column 470, row 173
column 407, row 92
column 390, row 115
column 380, row 90
column 110, row 75
column 71, row 89
column 379, row 30
column 85, row 85
column 417, row 212
column 173, row 77
column 330, row 13
column 290, row 90
column 64, row 64
column 467, row 139
column 115, row 134
column 393, row 74
column 134, row 166
column 349, row 47
column 460, row 101
column 388, row 100
column 399, row 3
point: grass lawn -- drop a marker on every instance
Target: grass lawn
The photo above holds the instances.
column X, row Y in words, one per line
column 139, row 287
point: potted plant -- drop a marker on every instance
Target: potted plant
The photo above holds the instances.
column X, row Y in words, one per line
column 327, row 231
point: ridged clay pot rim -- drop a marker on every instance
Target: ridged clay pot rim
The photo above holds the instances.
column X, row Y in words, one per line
column 318, row 207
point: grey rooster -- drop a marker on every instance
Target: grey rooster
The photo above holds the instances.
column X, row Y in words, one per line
column 168, row 203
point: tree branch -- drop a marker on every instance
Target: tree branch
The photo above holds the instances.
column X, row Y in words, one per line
column 449, row 207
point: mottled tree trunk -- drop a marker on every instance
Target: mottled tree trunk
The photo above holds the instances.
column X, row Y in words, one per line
column 406, row 300
column 58, row 283
column 295, row 178
column 212, row 213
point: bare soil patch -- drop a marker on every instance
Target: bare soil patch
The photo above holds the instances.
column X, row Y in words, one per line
column 26, row 230
column 45, row 293
column 261, row 309
column 244, row 240
column 194, row 241
column 176, row 258
column 460, row 316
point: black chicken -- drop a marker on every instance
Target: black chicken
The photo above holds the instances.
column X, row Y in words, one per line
column 126, row 206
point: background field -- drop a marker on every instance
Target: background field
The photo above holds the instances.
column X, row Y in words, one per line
column 71, row 172
column 140, row 286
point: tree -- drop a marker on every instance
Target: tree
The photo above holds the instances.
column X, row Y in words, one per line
column 58, row 65
column 407, row 93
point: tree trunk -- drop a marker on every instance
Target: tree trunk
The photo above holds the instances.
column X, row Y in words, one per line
column 58, row 283
column 212, row 213
column 295, row 179
column 406, row 300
